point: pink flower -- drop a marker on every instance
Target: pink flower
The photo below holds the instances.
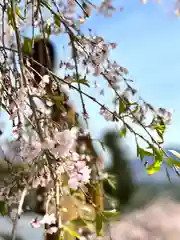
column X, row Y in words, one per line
column 85, row 174
column 35, row 223
column 73, row 182
column 66, row 141
column 108, row 116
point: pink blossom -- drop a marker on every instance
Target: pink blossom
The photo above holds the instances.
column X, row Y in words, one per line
column 73, row 181
column 79, row 175
column 108, row 116
column 66, row 142
column 85, row 174
column 80, row 164
column 35, row 223
column 48, row 143
column 75, row 156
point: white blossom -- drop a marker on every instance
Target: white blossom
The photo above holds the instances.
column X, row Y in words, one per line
column 48, row 219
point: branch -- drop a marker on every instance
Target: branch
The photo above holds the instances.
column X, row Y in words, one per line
column 19, row 211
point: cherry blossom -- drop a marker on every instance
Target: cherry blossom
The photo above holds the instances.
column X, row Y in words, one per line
column 48, row 219
column 84, row 174
column 65, row 143
column 35, row 223
column 22, row 151
column 106, row 114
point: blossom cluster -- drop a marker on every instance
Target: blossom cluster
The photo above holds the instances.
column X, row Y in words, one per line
column 62, row 147
column 48, row 219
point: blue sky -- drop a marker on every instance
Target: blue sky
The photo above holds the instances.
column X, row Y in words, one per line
column 148, row 40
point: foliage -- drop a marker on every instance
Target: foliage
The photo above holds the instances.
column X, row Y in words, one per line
column 119, row 183
column 44, row 152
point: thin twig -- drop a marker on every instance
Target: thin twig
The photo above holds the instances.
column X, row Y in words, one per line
column 77, row 77
column 19, row 211
column 18, row 41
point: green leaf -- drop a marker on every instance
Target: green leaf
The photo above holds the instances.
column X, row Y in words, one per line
column 152, row 170
column 48, row 29
column 19, row 14
column 175, row 153
column 79, row 222
column 91, row 226
column 155, row 167
column 3, row 209
column 46, row 4
column 99, row 225
column 10, row 17
column 122, row 107
column 160, row 128
column 27, row 46
column 141, row 152
column 58, row 100
column 160, row 134
column 82, row 81
column 71, row 232
column 57, row 21
column 123, row 132
column 110, row 214
column 158, row 154
column 136, row 107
